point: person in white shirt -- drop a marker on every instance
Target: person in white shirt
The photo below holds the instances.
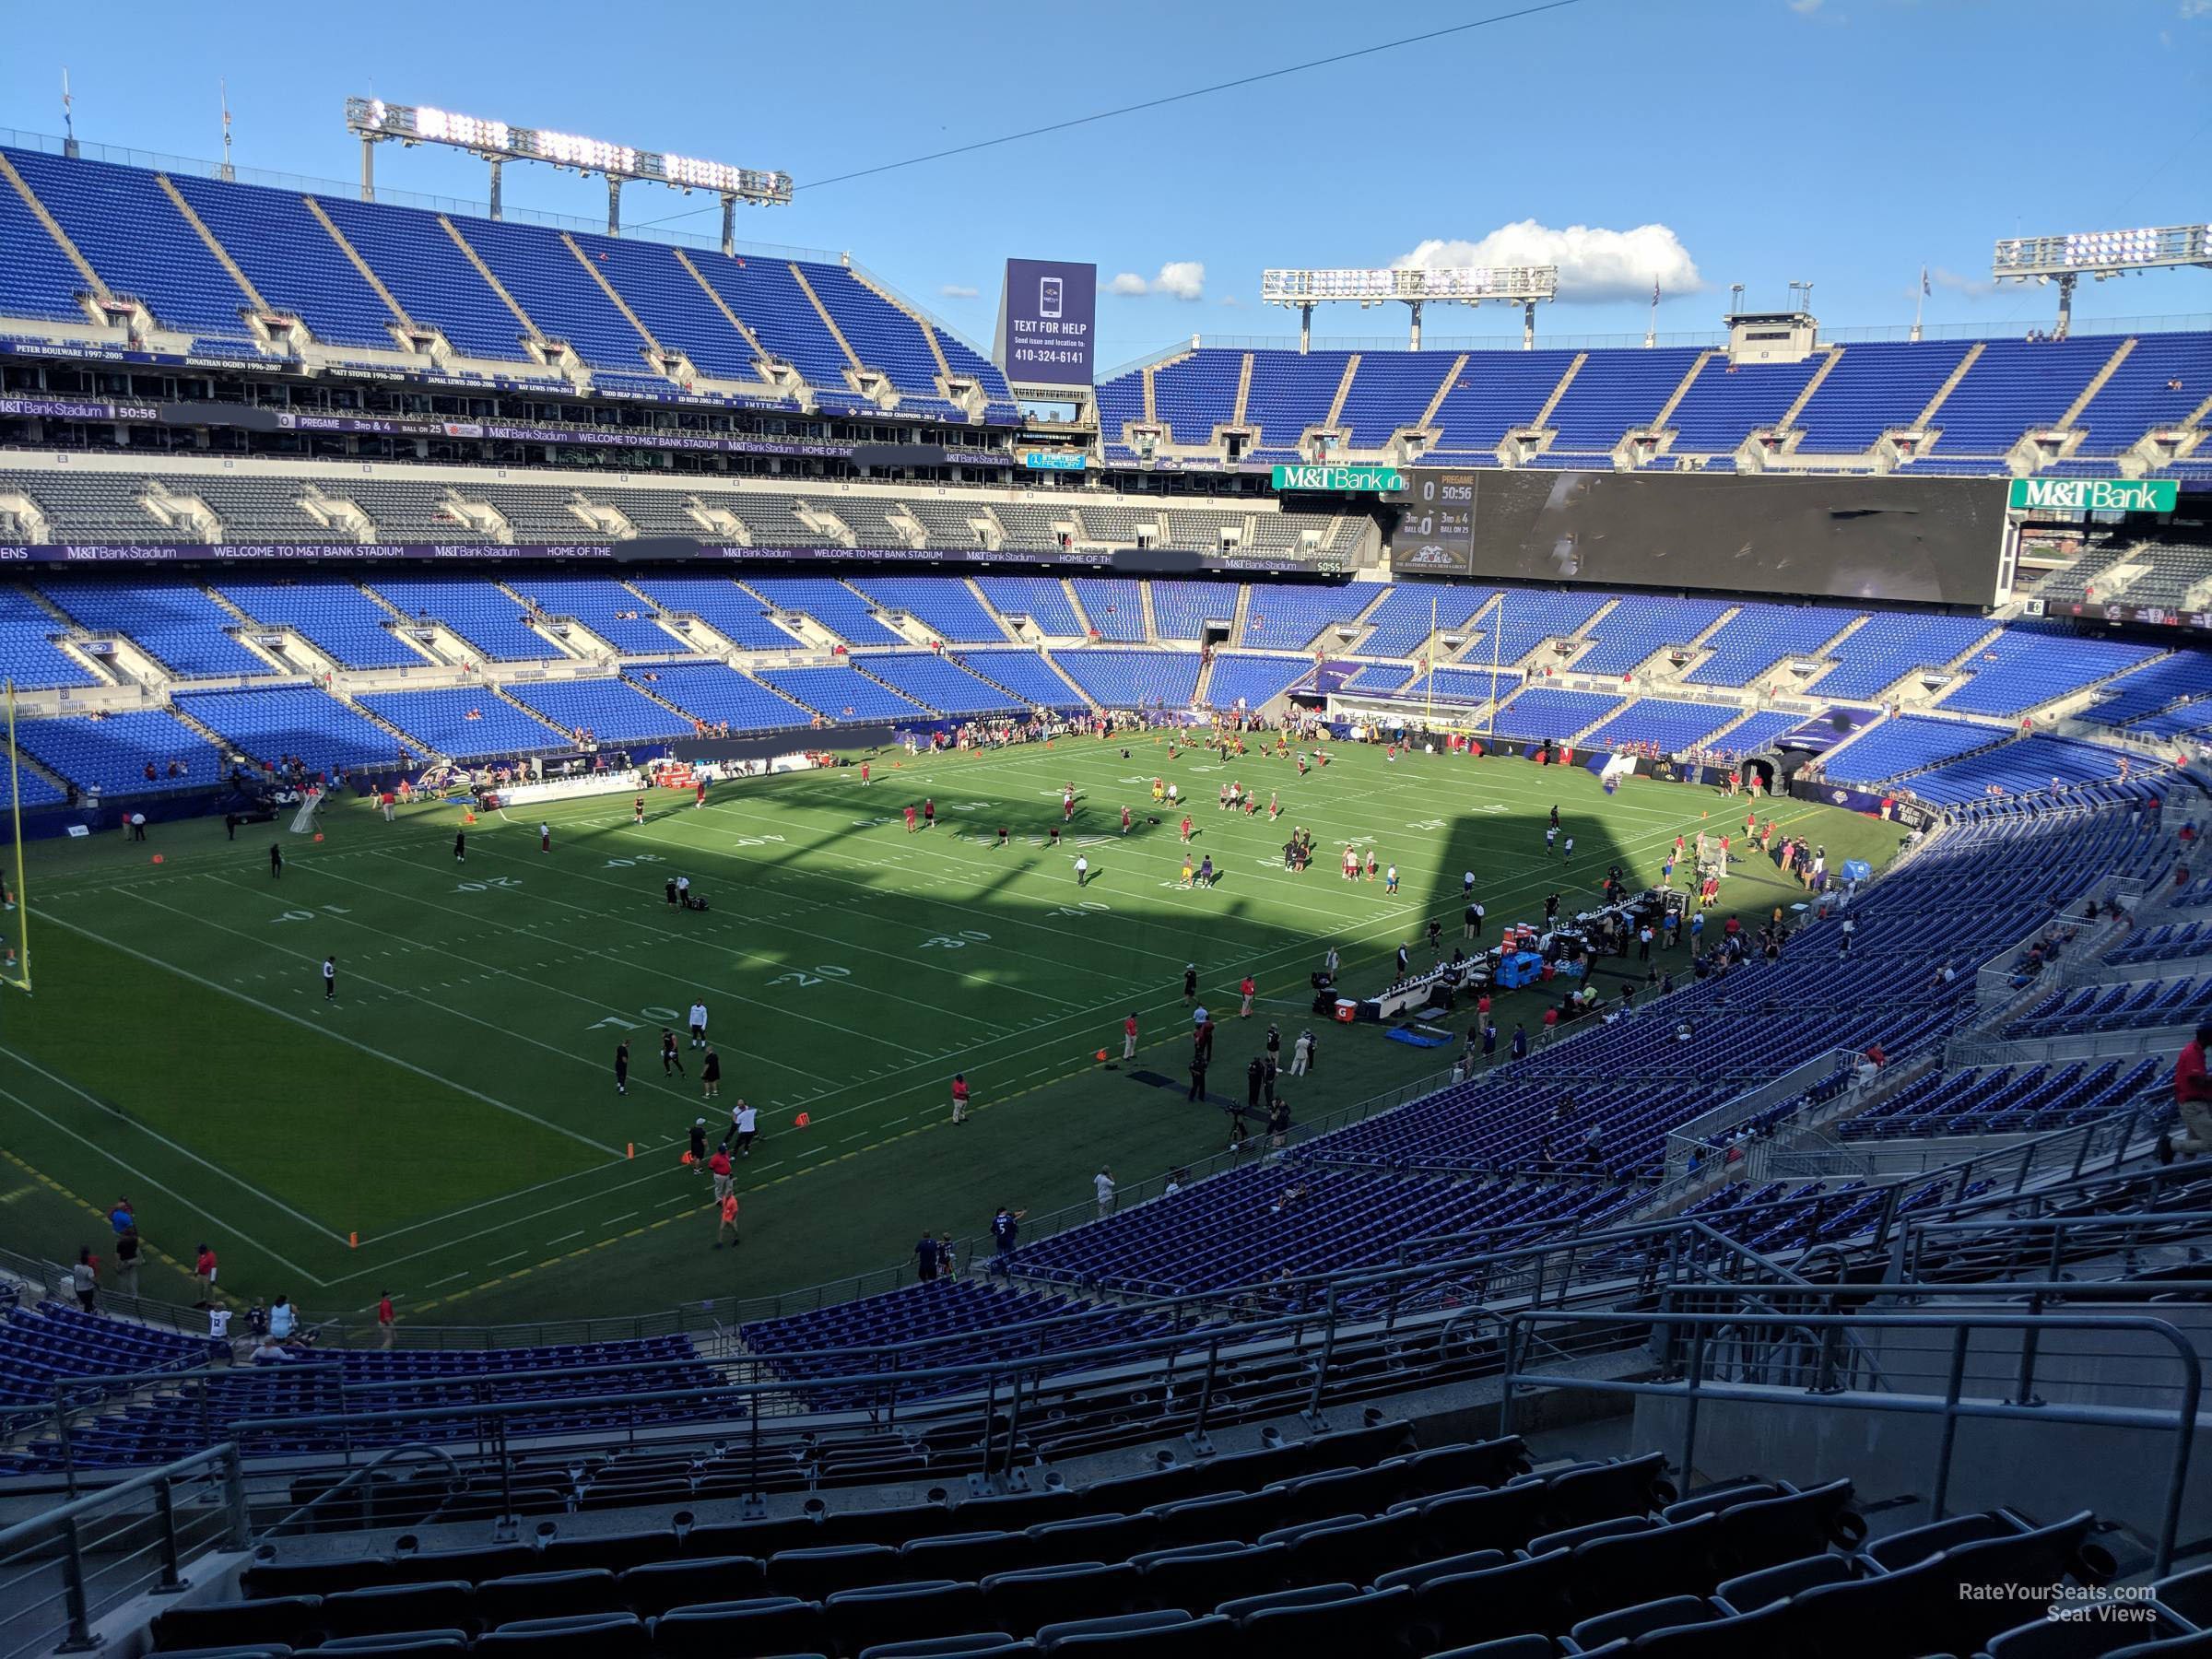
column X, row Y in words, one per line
column 284, row 1320
column 743, row 1124
column 1301, row 1053
column 1102, row 1184
column 1082, row 869
column 544, row 837
column 698, row 1025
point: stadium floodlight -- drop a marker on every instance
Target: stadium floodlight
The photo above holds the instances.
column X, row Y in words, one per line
column 1413, row 287
column 375, row 122
column 2103, row 254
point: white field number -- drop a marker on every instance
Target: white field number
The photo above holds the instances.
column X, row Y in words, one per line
column 806, row 979
column 960, row 941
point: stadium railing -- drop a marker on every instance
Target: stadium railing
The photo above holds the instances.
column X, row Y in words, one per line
column 2045, row 1242
column 1803, row 1363
column 60, row 1570
column 1962, row 1163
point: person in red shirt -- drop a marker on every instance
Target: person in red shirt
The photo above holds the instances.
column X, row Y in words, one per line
column 959, row 1096
column 718, row 1166
column 929, row 813
column 2192, row 1100
column 203, row 1269
column 387, row 1322
column 1124, row 821
column 1551, row 1021
column 1246, row 990
column 1129, row 1036
column 1186, row 829
column 699, row 794
column 863, row 771
column 910, row 820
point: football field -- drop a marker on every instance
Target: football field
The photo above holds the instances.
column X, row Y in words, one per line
column 447, row 1126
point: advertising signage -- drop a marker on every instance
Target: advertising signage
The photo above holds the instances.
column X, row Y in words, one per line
column 1047, row 323
column 1340, row 480
column 2094, row 495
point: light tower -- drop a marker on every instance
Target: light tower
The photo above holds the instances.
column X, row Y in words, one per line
column 2103, row 254
column 1302, row 290
column 374, row 122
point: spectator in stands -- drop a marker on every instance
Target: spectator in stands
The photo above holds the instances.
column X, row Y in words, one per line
column 1005, row 1233
column 387, row 1320
column 284, row 1320
column 2192, row 1100
column 84, row 1276
column 1103, row 1185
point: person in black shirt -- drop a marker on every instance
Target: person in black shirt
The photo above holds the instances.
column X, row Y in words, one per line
column 460, row 846
column 1190, row 983
column 710, row 1074
column 671, row 1060
column 1435, row 938
column 1555, row 817
column 1006, row 1232
column 1197, row 1078
column 622, row 1067
column 1551, row 909
column 275, row 860
column 925, row 1259
column 699, row 1146
column 1255, row 1076
column 670, row 891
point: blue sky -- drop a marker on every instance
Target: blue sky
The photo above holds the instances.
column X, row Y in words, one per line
column 1846, row 142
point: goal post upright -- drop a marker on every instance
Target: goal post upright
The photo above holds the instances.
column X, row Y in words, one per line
column 21, row 979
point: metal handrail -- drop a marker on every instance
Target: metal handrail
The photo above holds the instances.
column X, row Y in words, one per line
column 58, row 1530
column 1690, row 1383
column 356, row 1476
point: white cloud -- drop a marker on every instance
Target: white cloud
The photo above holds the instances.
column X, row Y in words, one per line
column 956, row 291
column 2191, row 10
column 1230, row 300
column 1975, row 287
column 1806, row 8
column 1179, row 279
column 1184, row 279
column 1596, row 264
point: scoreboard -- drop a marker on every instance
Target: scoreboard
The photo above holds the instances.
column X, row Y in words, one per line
column 1435, row 530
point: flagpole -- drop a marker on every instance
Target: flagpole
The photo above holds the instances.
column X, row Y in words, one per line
column 1919, row 299
column 15, row 790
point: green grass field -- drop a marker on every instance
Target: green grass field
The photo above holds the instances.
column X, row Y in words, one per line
column 455, row 1109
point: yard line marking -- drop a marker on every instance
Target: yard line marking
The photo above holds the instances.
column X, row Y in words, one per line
column 501, row 1261
column 612, row 1220
column 779, row 1010
column 711, row 943
column 589, row 1002
column 352, row 1042
column 92, row 1100
column 141, row 1177
column 464, row 1272
column 564, row 1239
